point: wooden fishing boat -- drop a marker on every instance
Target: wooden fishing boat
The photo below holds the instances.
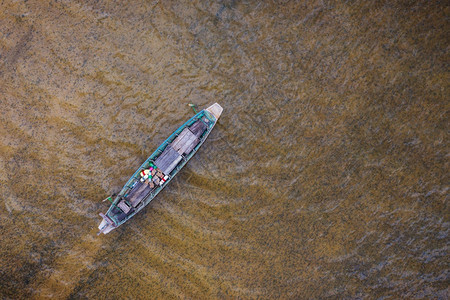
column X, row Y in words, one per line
column 157, row 171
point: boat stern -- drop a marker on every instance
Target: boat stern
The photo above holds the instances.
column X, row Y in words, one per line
column 106, row 225
column 215, row 110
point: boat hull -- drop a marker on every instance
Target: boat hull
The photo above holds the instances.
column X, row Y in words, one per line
column 126, row 204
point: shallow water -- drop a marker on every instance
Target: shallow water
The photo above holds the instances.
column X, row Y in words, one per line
column 326, row 176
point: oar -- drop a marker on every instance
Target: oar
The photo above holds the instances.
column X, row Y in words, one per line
column 193, row 107
column 112, row 202
column 109, row 199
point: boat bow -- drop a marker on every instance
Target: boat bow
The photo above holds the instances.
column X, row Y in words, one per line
column 215, row 110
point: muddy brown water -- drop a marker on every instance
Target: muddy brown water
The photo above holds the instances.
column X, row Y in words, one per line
column 326, row 176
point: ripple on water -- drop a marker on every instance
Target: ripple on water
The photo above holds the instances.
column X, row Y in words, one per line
column 325, row 176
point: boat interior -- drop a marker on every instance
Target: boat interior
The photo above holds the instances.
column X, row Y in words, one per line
column 160, row 169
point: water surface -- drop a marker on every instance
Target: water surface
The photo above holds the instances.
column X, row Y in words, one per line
column 326, row 176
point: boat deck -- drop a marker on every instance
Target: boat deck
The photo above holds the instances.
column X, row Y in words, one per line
column 139, row 192
column 167, row 161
